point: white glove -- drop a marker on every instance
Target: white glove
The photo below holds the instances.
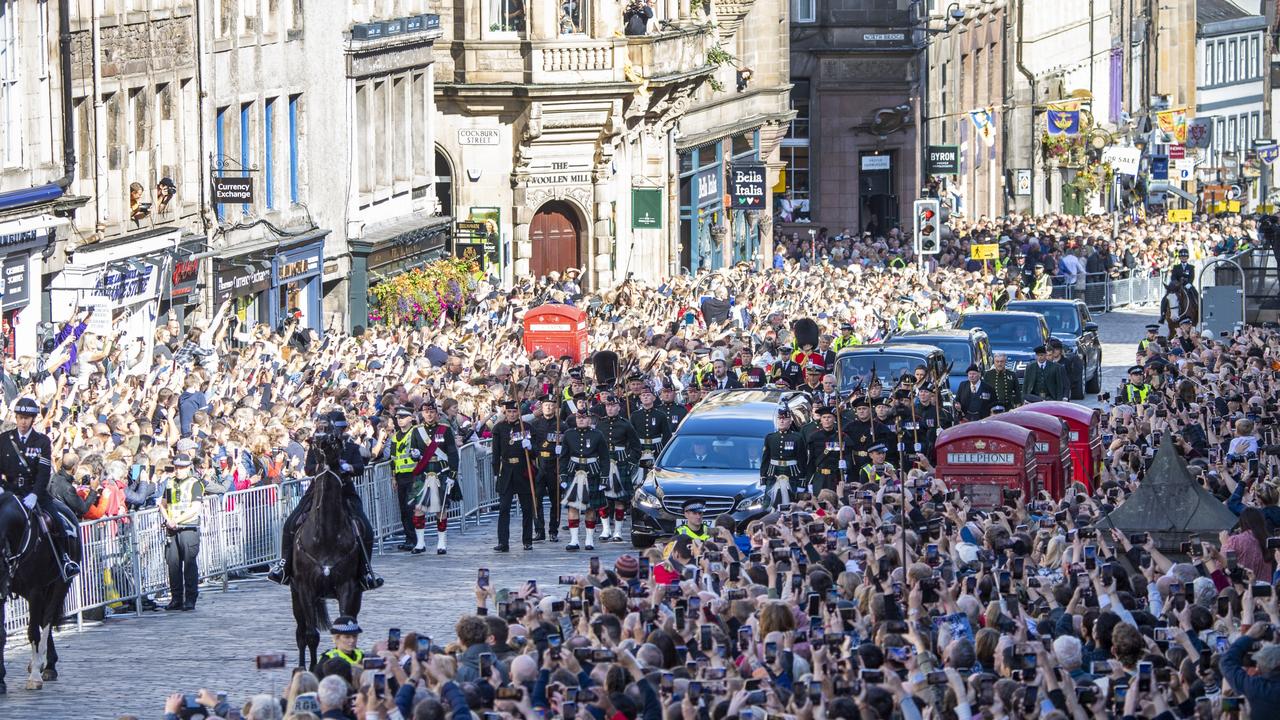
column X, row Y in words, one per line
column 416, row 454
column 844, row 465
column 557, row 450
column 30, row 501
column 345, row 466
column 526, row 444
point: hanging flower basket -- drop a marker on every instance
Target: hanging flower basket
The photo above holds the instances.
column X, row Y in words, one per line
column 423, row 295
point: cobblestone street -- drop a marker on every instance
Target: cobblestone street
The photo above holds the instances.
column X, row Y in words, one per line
column 129, row 665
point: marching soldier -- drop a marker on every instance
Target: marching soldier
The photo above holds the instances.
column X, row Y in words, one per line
column 180, row 506
column 828, row 452
column 784, row 462
column 975, row 398
column 1135, row 390
column 861, row 435
column 651, row 427
column 435, row 480
column 584, row 469
column 26, row 460
column 574, row 394
column 932, row 417
column 512, row 443
column 546, row 427
column 1004, row 383
column 674, row 411
column 624, row 451
column 813, row 371
column 887, row 427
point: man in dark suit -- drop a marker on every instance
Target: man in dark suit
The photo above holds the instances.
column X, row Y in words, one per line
column 720, row 373
column 975, row 398
column 1044, row 379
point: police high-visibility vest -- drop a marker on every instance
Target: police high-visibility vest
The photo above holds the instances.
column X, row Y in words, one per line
column 355, row 658
column 844, row 341
column 904, row 322
column 1136, row 393
column 1144, row 343
column 688, row 532
column 898, row 263
column 179, row 496
column 400, row 446
column 1043, row 287
column 869, row 475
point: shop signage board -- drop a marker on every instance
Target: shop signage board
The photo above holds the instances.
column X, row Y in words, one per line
column 707, row 184
column 232, row 190
column 17, row 291
column 748, row 188
column 943, row 160
column 646, row 208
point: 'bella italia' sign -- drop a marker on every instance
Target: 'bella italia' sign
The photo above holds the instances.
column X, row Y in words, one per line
column 748, row 187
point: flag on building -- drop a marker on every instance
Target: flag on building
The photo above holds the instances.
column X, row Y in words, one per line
column 1063, row 122
column 1173, row 123
column 985, row 125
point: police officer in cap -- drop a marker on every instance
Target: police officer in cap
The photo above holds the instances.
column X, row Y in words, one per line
column 1152, row 340
column 26, row 459
column 785, row 460
column 1135, row 390
column 181, row 505
column 693, row 527
column 1183, row 271
column 346, row 633
column 878, row 471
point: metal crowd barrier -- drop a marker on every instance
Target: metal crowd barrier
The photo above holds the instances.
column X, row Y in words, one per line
column 124, row 556
column 1104, row 294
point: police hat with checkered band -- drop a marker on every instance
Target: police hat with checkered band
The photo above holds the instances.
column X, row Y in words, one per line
column 26, row 406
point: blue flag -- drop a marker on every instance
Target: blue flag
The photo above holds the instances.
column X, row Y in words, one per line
column 1063, row 122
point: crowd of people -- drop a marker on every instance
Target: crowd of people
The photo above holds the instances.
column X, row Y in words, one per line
column 860, row 600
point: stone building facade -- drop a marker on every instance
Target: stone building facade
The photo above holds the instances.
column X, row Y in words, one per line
column 561, row 136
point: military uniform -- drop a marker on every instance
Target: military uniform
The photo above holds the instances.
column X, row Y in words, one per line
column 653, row 431
column 784, row 464
column 828, row 452
column 584, row 469
column 933, row 420
column 1004, row 388
column 624, row 453
column 512, row 446
column 547, row 436
column 675, row 413
column 436, row 485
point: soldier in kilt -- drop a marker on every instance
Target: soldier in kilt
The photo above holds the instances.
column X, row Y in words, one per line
column 624, row 452
column 584, row 467
column 437, row 486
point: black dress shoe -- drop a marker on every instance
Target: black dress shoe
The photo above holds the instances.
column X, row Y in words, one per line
column 555, row 537
column 539, row 536
column 528, row 547
column 174, row 605
column 405, row 547
column 571, row 547
column 417, row 551
column 501, row 548
column 441, row 551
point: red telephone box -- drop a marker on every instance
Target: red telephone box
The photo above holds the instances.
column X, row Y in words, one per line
column 1053, row 452
column 1084, row 435
column 557, row 330
column 984, row 458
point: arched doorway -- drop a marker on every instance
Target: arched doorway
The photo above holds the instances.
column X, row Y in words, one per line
column 444, row 183
column 554, row 234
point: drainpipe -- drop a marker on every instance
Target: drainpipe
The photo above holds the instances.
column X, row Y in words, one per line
column 1031, row 80
column 64, row 69
column 1008, row 107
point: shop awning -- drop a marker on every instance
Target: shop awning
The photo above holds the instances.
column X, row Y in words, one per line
column 30, row 196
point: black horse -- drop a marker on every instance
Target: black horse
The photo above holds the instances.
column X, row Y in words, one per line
column 29, row 569
column 327, row 553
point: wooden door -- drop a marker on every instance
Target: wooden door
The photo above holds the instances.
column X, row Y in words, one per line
column 554, row 236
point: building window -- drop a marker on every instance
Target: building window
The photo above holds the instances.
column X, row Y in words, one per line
column 1233, row 61
column 1255, row 131
column 401, row 147
column 10, row 96
column 804, row 11
column 793, row 204
column 573, row 17
column 1208, row 64
column 507, row 15
column 1232, row 143
column 220, row 142
column 268, row 153
column 1220, row 62
column 245, row 158
column 42, row 17
column 294, row 129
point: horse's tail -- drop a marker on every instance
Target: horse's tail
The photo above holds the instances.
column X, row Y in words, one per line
column 320, row 613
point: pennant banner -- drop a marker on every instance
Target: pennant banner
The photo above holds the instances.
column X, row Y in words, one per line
column 1200, row 133
column 1173, row 123
column 985, row 125
column 1063, row 122
column 1269, row 153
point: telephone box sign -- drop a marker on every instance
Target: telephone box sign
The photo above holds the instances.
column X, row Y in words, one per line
column 980, row 458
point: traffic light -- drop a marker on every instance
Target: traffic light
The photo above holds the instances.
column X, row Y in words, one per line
column 928, row 231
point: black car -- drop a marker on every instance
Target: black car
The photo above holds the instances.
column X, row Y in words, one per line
column 1070, row 322
column 1016, row 334
column 890, row 361
column 962, row 348
column 727, row 429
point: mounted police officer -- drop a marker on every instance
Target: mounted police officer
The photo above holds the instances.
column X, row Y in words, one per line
column 513, row 472
column 547, row 435
column 828, row 452
column 1135, row 390
column 624, row 451
column 785, row 461
column 437, row 485
column 344, row 459
column 584, row 468
column 26, row 459
column 1183, row 271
